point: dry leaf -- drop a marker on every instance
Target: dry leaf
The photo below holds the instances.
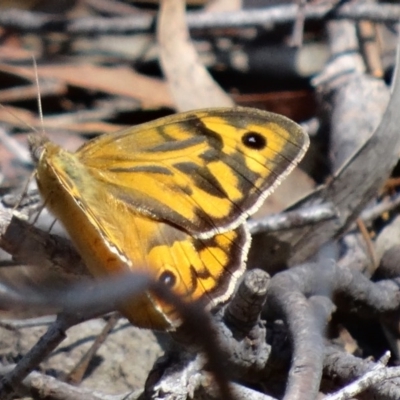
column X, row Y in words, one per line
column 190, row 83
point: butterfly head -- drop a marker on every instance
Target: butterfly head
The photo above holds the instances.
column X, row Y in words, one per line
column 37, row 145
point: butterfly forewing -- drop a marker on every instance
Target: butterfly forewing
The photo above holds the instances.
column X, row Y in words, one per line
column 203, row 171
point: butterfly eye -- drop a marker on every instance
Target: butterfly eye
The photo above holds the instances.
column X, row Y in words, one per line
column 168, row 279
column 254, row 140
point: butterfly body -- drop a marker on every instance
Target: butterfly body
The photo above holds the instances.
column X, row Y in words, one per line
column 168, row 198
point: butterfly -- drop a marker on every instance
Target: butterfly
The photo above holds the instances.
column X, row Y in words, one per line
column 169, row 198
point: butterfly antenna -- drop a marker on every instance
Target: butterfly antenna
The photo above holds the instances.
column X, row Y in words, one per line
column 40, row 110
column 39, row 99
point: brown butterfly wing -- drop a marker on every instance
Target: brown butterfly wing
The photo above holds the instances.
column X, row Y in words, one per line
column 168, row 198
column 204, row 171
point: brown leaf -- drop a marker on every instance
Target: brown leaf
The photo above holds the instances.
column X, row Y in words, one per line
column 190, row 83
column 120, row 81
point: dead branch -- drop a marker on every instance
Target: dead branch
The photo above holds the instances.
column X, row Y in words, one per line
column 36, row 22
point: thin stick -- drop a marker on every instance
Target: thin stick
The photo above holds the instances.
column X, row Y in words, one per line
column 370, row 248
column 76, row 375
